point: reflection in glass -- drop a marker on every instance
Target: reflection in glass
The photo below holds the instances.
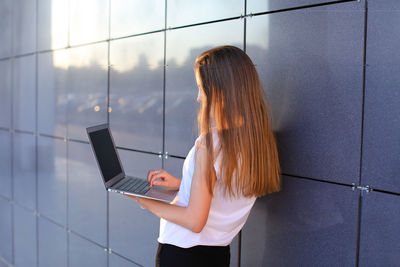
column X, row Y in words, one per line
column 87, row 88
column 190, row 12
column 52, row 24
column 138, row 51
column 87, row 202
column 52, row 244
column 25, row 238
column 88, row 21
column 200, row 38
column 6, row 227
column 255, row 6
column 24, row 95
column 52, row 178
column 52, row 94
column 136, row 16
column 24, row 169
column 6, row 7
column 5, row 164
column 124, row 226
column 24, row 27
column 84, row 253
column 5, row 92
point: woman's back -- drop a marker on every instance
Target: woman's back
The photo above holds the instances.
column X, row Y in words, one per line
column 227, row 214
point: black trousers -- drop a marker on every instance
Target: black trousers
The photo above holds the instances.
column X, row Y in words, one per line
column 209, row 256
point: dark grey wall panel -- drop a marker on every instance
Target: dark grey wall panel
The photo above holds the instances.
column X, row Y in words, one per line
column 380, row 220
column 52, row 93
column 6, row 241
column 117, row 261
column 88, row 21
column 5, row 164
column 24, row 26
column 306, row 224
column 310, row 65
column 180, row 85
column 84, row 253
column 133, row 17
column 87, row 84
column 24, row 93
column 255, row 6
column 189, row 12
column 6, row 28
column 5, row 91
column 52, row 244
column 24, row 169
column 24, row 237
column 87, row 197
column 52, row 179
column 136, row 92
column 52, row 24
column 381, row 157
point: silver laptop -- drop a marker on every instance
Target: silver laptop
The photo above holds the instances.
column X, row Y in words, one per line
column 113, row 174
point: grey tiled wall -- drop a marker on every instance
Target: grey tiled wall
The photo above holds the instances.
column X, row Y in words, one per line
column 330, row 71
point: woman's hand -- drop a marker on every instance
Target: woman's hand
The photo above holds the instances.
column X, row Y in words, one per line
column 163, row 178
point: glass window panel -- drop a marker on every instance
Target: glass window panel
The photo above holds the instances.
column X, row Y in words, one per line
column 314, row 84
column 52, row 244
column 24, row 93
column 24, row 22
column 24, row 169
column 200, row 38
column 174, row 166
column 136, row 16
column 85, row 253
column 138, row 51
column 5, row 164
column 5, row 91
column 24, row 237
column 88, row 21
column 6, row 8
column 131, row 237
column 117, row 261
column 190, row 12
column 5, row 230
column 87, row 196
column 52, row 179
column 52, row 24
column 255, row 6
column 52, row 93
column 136, row 91
column 87, row 83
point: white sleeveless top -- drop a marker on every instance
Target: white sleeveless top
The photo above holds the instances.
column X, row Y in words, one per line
column 226, row 217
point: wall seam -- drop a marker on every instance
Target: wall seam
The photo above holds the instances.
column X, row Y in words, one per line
column 360, row 196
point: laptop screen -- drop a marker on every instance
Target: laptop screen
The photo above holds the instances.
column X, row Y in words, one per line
column 105, row 153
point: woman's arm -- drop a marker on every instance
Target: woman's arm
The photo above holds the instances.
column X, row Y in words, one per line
column 194, row 216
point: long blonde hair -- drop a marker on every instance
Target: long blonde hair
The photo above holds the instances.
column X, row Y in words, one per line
column 232, row 93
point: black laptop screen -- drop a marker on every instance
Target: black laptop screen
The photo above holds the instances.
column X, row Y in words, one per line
column 105, row 153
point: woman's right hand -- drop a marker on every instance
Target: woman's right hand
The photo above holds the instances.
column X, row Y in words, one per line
column 163, row 178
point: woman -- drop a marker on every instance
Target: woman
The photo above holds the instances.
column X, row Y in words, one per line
column 233, row 161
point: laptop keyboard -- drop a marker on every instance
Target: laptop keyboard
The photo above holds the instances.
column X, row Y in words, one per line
column 132, row 185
